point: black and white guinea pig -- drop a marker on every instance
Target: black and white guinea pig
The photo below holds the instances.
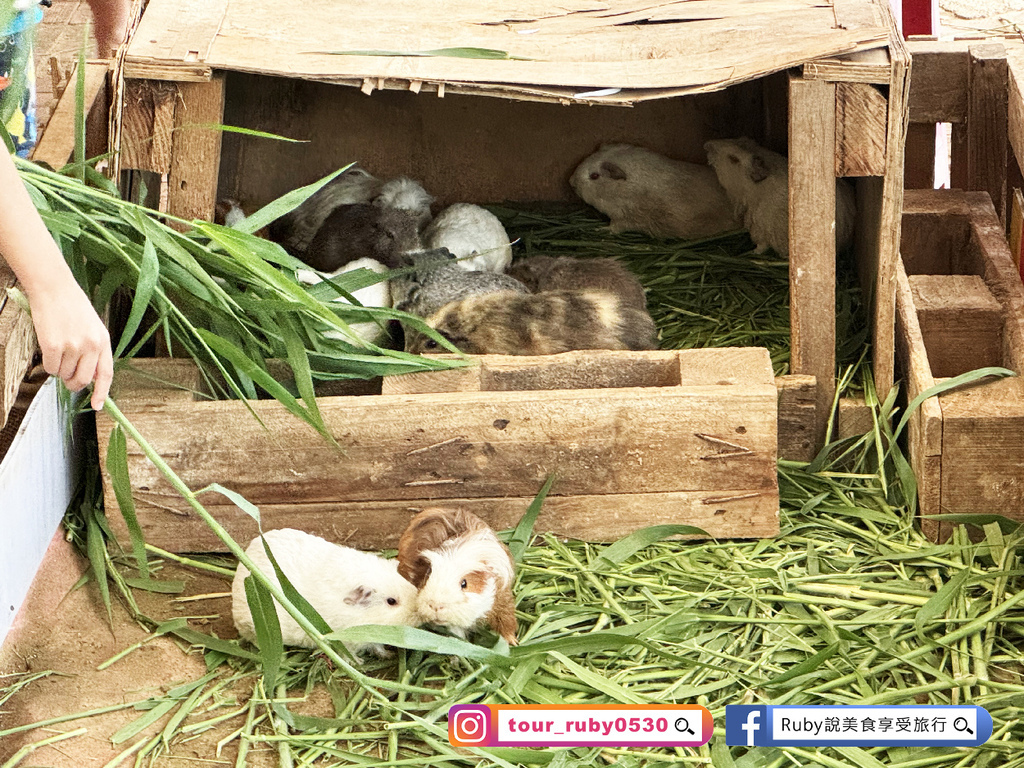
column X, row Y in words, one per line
column 757, row 182
column 295, row 230
column 362, row 231
column 463, row 572
column 642, row 191
column 510, row 323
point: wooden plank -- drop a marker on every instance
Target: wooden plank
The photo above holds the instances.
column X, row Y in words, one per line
column 838, row 71
column 1017, row 229
column 812, row 245
column 961, row 323
column 861, row 126
column 57, row 144
column 938, row 89
column 852, row 14
column 17, row 345
column 181, row 32
column 855, row 417
column 732, row 514
column 487, row 444
column 664, row 46
column 147, row 125
column 797, row 416
column 919, row 161
column 882, row 299
column 926, row 424
column 1015, row 104
column 195, row 154
column 987, row 122
column 958, row 162
column 928, row 471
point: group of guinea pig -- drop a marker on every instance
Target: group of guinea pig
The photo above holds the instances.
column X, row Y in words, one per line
column 452, row 572
column 456, row 269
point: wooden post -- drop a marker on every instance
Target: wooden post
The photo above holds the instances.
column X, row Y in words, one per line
column 195, row 151
column 987, row 123
column 919, row 165
column 812, row 240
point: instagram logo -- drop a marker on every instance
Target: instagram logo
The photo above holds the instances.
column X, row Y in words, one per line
column 469, row 725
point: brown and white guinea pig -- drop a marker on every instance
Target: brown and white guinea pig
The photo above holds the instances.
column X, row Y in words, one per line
column 757, row 182
column 559, row 273
column 463, row 572
column 362, row 231
column 642, row 191
column 296, row 229
column 404, row 194
column 347, row 587
column 509, row 323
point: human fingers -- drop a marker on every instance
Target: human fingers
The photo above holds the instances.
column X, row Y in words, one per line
column 85, row 371
column 104, row 375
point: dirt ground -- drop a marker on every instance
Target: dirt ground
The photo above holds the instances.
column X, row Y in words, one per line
column 69, row 634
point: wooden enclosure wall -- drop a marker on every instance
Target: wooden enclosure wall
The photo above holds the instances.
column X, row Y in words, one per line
column 462, row 148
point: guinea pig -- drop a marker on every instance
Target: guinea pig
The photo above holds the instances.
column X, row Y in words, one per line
column 559, row 273
column 405, row 194
column 642, row 191
column 538, row 324
column 465, row 230
column 296, row 229
column 438, row 280
column 757, row 182
column 362, row 231
column 347, row 587
column 229, row 213
column 463, row 572
column 375, row 295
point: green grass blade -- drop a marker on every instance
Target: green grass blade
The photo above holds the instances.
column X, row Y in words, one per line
column 117, row 466
column 940, row 602
column 625, row 547
column 523, row 533
column 455, row 53
column 268, row 630
column 420, row 640
column 149, row 276
column 98, row 559
column 287, row 202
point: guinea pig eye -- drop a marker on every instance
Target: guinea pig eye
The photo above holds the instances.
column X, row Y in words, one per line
column 733, row 159
column 430, row 344
column 463, row 583
column 392, row 601
column 595, row 176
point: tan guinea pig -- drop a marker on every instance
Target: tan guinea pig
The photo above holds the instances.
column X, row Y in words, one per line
column 463, row 572
column 560, row 273
column 508, row 323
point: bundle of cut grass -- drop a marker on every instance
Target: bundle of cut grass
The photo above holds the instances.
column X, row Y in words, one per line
column 708, row 293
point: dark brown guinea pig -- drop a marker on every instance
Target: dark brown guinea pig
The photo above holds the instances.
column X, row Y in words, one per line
column 508, row 323
column 464, row 574
column 362, row 231
column 562, row 273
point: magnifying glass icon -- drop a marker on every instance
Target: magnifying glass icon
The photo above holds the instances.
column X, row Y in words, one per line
column 683, row 726
column 961, row 725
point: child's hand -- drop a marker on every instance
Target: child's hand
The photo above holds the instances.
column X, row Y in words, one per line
column 73, row 339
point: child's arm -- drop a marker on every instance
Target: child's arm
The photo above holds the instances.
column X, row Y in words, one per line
column 111, row 21
column 74, row 341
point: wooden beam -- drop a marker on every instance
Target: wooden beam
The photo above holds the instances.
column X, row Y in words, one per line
column 1015, row 104
column 195, row 150
column 17, row 344
column 797, row 416
column 147, row 125
column 987, row 123
column 57, row 144
column 861, row 124
column 938, row 89
column 812, row 240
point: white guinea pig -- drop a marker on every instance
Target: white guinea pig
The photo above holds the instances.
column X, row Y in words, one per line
column 757, row 181
column 463, row 572
column 376, row 295
column 406, row 195
column 642, row 191
column 465, row 230
column 347, row 587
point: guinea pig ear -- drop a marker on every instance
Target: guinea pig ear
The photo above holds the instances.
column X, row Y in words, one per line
column 359, row 596
column 613, row 171
column 758, row 169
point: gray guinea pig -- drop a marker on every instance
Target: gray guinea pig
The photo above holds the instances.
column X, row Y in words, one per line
column 362, row 231
column 757, row 181
column 438, row 280
column 296, row 229
column 642, row 191
column 557, row 273
column 406, row 195
column 539, row 324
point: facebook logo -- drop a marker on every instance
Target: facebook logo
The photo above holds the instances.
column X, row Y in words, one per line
column 746, row 726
